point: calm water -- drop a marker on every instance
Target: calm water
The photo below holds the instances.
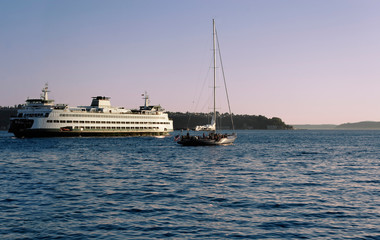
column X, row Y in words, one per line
column 268, row 185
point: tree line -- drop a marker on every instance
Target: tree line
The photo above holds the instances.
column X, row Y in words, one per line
column 5, row 114
column 191, row 120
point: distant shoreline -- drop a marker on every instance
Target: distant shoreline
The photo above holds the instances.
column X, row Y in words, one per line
column 364, row 125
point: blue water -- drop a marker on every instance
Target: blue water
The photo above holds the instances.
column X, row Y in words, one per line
column 268, row 185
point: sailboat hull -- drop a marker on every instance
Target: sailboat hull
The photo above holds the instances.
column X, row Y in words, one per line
column 198, row 141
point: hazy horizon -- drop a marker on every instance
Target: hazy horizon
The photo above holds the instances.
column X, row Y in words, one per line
column 306, row 62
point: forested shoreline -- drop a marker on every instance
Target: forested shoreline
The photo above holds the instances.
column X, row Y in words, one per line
column 190, row 120
column 5, row 114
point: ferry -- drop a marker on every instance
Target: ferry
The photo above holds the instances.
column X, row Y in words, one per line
column 41, row 117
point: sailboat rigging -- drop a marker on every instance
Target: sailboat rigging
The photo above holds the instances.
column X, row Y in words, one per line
column 213, row 138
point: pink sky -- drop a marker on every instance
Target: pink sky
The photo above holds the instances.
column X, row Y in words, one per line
column 307, row 62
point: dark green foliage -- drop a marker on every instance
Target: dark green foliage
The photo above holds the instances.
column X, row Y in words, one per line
column 191, row 120
column 5, row 114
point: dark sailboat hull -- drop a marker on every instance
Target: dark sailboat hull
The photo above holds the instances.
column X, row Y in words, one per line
column 198, row 141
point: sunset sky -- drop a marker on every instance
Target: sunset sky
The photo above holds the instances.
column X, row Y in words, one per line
column 307, row 62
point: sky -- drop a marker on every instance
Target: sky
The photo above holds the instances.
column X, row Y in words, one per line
column 306, row 62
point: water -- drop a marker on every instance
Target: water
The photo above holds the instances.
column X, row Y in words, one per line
column 268, row 185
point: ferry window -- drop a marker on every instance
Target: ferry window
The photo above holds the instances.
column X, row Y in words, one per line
column 97, row 121
column 113, row 122
column 92, row 121
column 69, row 121
column 75, row 121
column 118, row 122
column 87, row 121
column 56, row 121
column 103, row 122
column 49, row 121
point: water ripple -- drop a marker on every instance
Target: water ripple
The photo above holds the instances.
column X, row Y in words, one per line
column 268, row 185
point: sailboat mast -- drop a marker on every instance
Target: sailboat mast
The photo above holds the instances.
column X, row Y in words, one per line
column 214, row 51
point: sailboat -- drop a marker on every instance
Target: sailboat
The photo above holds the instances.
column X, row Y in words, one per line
column 213, row 138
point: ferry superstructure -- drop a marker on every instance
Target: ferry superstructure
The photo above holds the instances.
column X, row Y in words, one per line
column 42, row 118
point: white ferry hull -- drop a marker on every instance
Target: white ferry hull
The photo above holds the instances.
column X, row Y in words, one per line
column 62, row 124
column 36, row 133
